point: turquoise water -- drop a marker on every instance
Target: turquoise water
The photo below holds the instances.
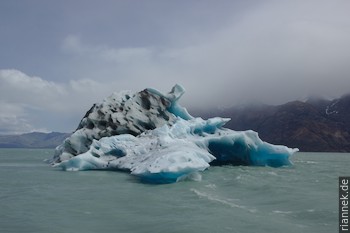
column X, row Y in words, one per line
column 303, row 198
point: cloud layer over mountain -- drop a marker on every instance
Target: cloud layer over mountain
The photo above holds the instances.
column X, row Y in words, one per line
column 59, row 58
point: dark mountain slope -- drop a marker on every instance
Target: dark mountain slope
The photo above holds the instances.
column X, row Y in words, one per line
column 314, row 125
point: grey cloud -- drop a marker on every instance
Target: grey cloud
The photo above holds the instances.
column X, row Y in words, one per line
column 27, row 101
column 277, row 52
column 223, row 53
column 13, row 120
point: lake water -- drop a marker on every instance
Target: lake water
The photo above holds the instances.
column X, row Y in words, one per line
column 303, row 198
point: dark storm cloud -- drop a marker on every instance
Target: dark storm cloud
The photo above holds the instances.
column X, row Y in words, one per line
column 222, row 52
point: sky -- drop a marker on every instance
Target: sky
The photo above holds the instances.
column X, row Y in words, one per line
column 57, row 58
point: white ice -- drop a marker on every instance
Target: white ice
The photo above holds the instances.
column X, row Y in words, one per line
column 168, row 154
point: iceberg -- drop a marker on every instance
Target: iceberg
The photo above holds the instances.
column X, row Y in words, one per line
column 155, row 139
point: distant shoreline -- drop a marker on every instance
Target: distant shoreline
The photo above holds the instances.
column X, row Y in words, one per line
column 35, row 140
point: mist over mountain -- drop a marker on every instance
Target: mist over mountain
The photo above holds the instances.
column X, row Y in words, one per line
column 317, row 125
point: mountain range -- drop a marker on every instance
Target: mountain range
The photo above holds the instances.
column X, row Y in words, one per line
column 315, row 125
column 32, row 140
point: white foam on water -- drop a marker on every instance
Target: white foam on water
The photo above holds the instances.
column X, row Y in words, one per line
column 282, row 212
column 195, row 176
column 221, row 200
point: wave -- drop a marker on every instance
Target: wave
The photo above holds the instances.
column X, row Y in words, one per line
column 227, row 202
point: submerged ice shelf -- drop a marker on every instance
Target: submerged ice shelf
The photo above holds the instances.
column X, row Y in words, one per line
column 151, row 136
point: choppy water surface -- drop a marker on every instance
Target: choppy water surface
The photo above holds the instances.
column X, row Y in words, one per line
column 303, row 198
